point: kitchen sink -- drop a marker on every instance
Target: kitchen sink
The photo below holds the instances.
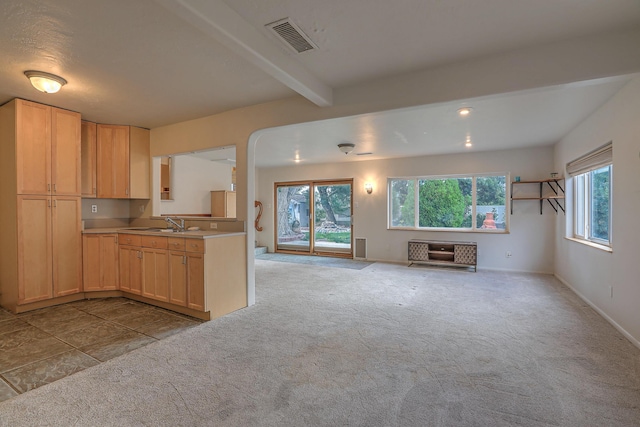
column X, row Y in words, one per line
column 151, row 229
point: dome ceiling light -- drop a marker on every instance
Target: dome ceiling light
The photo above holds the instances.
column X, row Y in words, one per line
column 45, row 82
column 346, row 147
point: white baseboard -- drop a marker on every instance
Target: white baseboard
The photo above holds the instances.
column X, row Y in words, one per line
column 623, row 331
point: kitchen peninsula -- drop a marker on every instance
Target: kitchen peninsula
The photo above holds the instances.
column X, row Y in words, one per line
column 199, row 273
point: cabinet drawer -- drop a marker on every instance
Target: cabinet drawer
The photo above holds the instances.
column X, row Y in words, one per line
column 176, row 243
column 154, row 242
column 194, row 245
column 129, row 239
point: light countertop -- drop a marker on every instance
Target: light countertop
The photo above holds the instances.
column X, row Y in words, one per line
column 200, row 234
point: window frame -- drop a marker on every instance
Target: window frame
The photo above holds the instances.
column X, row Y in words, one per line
column 583, row 209
column 474, row 228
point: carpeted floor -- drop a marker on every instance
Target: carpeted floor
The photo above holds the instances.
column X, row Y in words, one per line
column 383, row 346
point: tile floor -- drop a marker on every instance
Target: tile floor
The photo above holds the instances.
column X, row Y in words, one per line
column 42, row 346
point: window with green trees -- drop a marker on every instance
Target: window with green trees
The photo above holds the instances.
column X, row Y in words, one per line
column 476, row 203
column 593, row 205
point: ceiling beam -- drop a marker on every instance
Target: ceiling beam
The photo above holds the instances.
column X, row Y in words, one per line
column 222, row 23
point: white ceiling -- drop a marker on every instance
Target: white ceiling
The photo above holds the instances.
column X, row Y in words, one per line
column 155, row 62
column 524, row 119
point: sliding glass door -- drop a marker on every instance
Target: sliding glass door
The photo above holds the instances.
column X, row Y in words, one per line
column 292, row 218
column 314, row 217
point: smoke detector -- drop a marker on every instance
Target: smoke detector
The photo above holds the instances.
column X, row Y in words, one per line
column 346, row 147
column 292, row 36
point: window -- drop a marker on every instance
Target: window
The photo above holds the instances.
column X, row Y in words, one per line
column 472, row 203
column 592, row 181
column 593, row 205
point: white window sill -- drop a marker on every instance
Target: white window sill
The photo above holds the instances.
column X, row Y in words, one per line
column 592, row 244
column 452, row 230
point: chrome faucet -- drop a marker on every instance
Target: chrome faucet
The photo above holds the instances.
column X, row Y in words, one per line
column 178, row 227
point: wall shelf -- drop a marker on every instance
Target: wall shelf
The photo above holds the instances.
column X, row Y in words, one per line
column 554, row 184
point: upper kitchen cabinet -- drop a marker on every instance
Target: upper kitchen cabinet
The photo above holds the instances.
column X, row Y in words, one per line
column 112, row 161
column 122, row 162
column 88, row 141
column 47, row 144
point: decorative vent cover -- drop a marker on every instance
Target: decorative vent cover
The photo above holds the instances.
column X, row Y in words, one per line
column 292, row 35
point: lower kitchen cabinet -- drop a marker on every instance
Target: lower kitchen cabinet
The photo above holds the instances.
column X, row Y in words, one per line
column 49, row 248
column 155, row 274
column 205, row 278
column 130, row 266
column 100, row 262
column 195, row 281
column 178, row 278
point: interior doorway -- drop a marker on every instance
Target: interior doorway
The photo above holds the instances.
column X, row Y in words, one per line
column 314, row 217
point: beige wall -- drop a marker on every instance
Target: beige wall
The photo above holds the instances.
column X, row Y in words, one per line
column 193, row 179
column 531, row 235
column 590, row 271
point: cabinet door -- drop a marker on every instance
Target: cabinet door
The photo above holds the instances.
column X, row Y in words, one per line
column 91, row 262
column 130, row 263
column 33, row 148
column 124, row 263
column 67, row 245
column 139, row 163
column 155, row 273
column 65, row 152
column 112, row 161
column 34, row 249
column 135, row 271
column 109, row 261
column 178, row 278
column 195, row 281
column 88, row 159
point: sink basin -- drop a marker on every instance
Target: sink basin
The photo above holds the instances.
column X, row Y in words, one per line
column 152, row 229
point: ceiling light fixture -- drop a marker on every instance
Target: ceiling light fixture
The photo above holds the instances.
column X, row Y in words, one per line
column 45, row 82
column 468, row 142
column 464, row 111
column 346, row 147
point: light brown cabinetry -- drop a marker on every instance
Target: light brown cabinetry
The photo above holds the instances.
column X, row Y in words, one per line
column 155, row 274
column 40, row 214
column 112, row 151
column 122, row 162
column 47, row 149
column 186, row 287
column 223, row 204
column 207, row 277
column 130, row 263
column 49, row 248
column 88, row 156
column 100, row 262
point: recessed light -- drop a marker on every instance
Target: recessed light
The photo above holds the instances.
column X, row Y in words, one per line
column 468, row 144
column 464, row 111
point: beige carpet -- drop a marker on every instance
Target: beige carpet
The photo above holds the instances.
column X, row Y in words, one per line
column 383, row 346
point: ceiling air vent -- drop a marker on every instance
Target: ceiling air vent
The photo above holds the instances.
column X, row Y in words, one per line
column 292, row 35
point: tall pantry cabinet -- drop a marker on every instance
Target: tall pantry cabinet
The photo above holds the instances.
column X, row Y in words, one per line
column 40, row 213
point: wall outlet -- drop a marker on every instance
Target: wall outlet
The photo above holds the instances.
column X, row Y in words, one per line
column 507, row 254
column 213, row 225
column 94, row 208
